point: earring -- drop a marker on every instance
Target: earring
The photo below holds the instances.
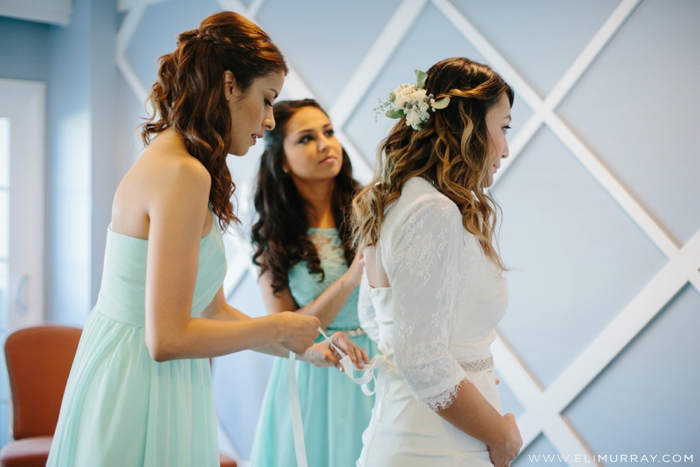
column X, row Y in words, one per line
column 285, row 170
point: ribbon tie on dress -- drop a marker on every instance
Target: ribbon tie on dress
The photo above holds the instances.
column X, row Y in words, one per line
column 349, row 368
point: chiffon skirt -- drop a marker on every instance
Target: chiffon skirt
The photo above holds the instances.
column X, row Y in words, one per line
column 334, row 411
column 122, row 408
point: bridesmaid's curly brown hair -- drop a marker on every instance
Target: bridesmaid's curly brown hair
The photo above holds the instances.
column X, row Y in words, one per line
column 188, row 95
column 280, row 235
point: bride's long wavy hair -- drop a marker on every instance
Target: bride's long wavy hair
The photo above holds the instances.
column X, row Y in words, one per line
column 189, row 93
column 451, row 150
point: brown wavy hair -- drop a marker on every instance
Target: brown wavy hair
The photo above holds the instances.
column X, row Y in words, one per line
column 451, row 150
column 280, row 235
column 188, row 95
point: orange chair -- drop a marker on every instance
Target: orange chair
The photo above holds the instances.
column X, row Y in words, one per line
column 38, row 359
column 226, row 461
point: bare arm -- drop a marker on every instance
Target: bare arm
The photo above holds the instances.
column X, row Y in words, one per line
column 326, row 306
column 220, row 310
column 321, row 354
column 177, row 211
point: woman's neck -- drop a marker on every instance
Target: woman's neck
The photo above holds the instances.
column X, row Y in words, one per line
column 319, row 199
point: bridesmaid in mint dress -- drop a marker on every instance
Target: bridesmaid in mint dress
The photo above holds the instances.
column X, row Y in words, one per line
column 139, row 392
column 303, row 197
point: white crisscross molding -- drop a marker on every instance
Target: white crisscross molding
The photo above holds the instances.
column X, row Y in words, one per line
column 542, row 407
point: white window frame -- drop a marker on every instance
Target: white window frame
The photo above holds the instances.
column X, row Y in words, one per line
column 23, row 102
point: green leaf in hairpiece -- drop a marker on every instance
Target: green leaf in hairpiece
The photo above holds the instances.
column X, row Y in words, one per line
column 392, row 113
column 420, row 78
column 441, row 103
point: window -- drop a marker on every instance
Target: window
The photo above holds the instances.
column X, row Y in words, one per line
column 21, row 215
column 4, row 215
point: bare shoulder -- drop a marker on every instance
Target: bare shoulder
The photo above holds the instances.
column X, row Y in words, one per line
column 165, row 178
column 171, row 168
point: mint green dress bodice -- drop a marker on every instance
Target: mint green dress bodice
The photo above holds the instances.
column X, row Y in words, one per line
column 305, row 287
column 123, row 290
column 120, row 406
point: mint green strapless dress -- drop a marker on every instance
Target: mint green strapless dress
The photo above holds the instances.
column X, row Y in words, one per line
column 121, row 407
column 334, row 410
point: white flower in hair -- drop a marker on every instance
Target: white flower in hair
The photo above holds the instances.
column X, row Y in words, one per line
column 412, row 101
column 415, row 119
column 402, row 95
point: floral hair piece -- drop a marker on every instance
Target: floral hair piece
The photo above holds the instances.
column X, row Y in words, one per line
column 412, row 102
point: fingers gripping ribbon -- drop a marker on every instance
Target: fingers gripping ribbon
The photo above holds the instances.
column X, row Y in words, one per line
column 348, row 368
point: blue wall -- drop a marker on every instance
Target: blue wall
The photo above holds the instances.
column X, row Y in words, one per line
column 24, row 49
column 577, row 257
column 84, row 121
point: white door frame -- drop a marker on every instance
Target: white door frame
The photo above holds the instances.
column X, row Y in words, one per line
column 23, row 102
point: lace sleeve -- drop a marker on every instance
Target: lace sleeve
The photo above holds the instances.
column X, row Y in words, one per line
column 365, row 310
column 423, row 269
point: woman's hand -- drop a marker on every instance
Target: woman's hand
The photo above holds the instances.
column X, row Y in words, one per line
column 353, row 275
column 297, row 331
column 503, row 453
column 323, row 354
column 357, row 354
column 320, row 355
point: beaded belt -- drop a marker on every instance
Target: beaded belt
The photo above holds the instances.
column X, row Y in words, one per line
column 350, row 332
column 477, row 365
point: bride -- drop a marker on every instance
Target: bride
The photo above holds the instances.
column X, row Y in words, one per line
column 433, row 292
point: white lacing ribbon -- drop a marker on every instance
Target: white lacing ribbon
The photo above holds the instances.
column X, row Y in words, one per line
column 349, row 368
column 297, row 427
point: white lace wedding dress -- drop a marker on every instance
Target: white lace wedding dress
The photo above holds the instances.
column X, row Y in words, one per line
column 435, row 326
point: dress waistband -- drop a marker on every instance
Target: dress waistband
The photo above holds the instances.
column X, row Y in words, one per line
column 116, row 313
column 471, row 366
column 353, row 332
column 477, row 365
